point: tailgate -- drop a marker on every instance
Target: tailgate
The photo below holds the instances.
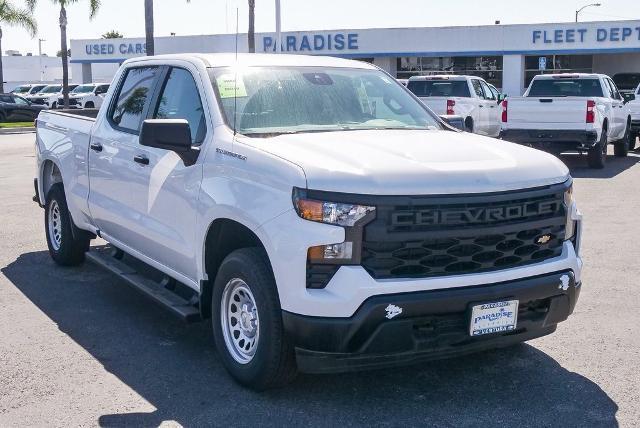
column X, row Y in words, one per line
column 437, row 104
column 525, row 110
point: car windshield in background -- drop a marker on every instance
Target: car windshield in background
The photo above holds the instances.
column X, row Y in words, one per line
column 439, row 88
column 83, row 89
column 286, row 100
column 627, row 81
column 21, row 90
column 565, row 88
column 37, row 89
column 52, row 89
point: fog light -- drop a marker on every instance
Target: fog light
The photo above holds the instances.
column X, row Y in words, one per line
column 332, row 252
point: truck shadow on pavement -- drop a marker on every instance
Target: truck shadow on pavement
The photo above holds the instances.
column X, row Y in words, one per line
column 174, row 367
column 614, row 166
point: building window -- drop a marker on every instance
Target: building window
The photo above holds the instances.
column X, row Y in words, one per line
column 487, row 67
column 557, row 64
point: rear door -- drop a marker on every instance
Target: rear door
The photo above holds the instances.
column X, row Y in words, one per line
column 481, row 123
column 22, row 110
column 493, row 124
column 617, row 110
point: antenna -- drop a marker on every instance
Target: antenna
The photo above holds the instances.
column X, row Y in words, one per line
column 235, row 82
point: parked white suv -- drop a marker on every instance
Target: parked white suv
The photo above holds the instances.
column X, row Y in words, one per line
column 562, row 112
column 470, row 97
column 48, row 95
column 88, row 96
column 316, row 212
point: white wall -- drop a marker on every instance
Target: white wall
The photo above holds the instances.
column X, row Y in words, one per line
column 18, row 70
column 513, row 75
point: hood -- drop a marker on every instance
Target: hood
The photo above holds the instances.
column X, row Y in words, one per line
column 413, row 162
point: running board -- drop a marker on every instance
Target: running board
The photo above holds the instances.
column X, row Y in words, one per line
column 157, row 291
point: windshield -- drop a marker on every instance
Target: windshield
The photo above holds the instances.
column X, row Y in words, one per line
column 283, row 100
column 565, row 88
column 37, row 89
column 21, row 89
column 439, row 88
column 83, row 89
column 52, row 89
column 627, row 81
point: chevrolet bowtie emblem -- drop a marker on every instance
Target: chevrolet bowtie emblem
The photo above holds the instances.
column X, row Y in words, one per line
column 541, row 240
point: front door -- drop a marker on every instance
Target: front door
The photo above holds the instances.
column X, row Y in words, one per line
column 157, row 193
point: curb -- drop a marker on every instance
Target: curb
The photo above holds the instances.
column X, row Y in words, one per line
column 25, row 130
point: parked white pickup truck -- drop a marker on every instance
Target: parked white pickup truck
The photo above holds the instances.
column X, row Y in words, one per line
column 321, row 216
column 562, row 112
column 470, row 97
column 89, row 96
column 634, row 109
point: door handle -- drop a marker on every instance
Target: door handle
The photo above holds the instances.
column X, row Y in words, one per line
column 141, row 159
column 96, row 147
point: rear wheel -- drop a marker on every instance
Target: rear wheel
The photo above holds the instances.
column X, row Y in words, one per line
column 247, row 322
column 468, row 124
column 89, row 104
column 597, row 156
column 3, row 118
column 54, row 105
column 67, row 244
column 621, row 147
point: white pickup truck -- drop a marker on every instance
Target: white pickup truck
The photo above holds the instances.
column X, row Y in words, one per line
column 470, row 97
column 88, row 95
column 562, row 112
column 634, row 109
column 315, row 211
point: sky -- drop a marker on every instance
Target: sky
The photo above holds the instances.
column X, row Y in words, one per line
column 219, row 16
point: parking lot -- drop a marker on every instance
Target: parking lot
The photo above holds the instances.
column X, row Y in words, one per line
column 77, row 347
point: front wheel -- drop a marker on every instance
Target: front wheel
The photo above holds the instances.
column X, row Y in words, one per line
column 89, row 104
column 247, row 322
column 621, row 148
column 597, row 155
column 67, row 245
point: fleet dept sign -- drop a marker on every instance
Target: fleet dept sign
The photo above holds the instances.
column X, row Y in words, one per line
column 584, row 35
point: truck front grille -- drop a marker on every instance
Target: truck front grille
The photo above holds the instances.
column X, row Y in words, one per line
column 421, row 237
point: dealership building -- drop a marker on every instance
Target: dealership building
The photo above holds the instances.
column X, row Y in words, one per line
column 507, row 56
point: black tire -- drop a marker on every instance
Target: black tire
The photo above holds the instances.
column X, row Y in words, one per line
column 468, row 124
column 89, row 104
column 597, row 155
column 273, row 362
column 621, row 147
column 72, row 243
column 54, row 106
column 632, row 140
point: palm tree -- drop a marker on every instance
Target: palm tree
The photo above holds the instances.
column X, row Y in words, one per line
column 10, row 15
column 252, row 32
column 93, row 8
column 148, row 26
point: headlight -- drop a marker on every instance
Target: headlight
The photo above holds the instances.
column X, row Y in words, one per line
column 570, row 225
column 337, row 213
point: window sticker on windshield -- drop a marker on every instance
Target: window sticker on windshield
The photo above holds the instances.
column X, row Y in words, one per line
column 363, row 97
column 229, row 87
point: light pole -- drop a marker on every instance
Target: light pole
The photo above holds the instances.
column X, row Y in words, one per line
column 278, row 28
column 40, row 58
column 584, row 7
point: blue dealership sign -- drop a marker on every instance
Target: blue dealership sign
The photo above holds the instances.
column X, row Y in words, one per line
column 583, row 35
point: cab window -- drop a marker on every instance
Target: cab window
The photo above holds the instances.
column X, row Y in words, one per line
column 180, row 99
column 477, row 88
column 134, row 96
column 488, row 94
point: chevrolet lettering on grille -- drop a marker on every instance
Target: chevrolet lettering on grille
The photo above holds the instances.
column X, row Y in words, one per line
column 452, row 217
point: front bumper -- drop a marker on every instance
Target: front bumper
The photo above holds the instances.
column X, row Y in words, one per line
column 432, row 324
column 551, row 139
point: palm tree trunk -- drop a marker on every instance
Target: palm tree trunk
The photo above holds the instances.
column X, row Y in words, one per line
column 1, row 72
column 148, row 26
column 65, row 57
column 252, row 32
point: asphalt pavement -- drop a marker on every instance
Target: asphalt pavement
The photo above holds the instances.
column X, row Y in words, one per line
column 80, row 348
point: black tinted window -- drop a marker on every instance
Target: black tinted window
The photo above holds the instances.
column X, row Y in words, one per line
column 565, row 88
column 626, row 81
column 6, row 99
column 439, row 88
column 134, row 97
column 180, row 100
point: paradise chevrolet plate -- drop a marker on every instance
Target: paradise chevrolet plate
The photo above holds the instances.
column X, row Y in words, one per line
column 494, row 317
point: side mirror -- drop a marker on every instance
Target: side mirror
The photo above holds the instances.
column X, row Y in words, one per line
column 169, row 134
column 629, row 97
column 454, row 121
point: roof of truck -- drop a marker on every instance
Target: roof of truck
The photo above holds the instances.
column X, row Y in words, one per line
column 261, row 59
column 569, row 76
column 443, row 77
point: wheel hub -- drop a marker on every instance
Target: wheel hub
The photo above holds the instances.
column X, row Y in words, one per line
column 240, row 321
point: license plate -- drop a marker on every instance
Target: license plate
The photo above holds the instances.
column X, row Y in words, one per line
column 494, row 317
